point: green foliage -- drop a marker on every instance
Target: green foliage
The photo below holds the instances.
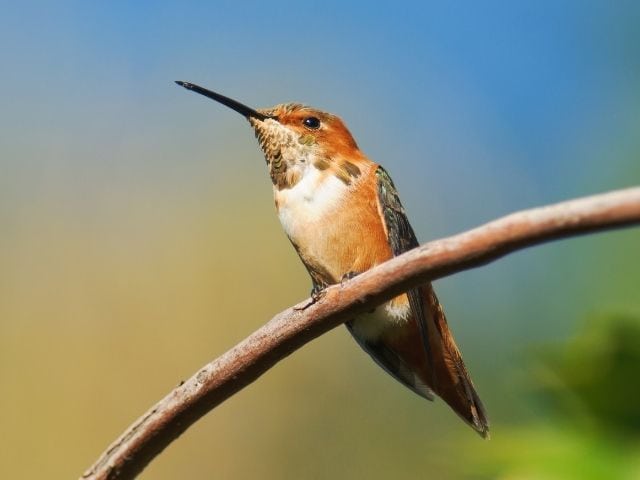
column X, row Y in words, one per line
column 590, row 397
column 597, row 375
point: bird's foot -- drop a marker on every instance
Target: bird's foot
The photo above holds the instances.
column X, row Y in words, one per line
column 348, row 276
column 317, row 292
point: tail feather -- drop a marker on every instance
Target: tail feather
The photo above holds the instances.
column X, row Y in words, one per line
column 452, row 381
column 436, row 367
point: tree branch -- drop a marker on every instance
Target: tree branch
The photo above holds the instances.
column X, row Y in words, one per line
column 292, row 328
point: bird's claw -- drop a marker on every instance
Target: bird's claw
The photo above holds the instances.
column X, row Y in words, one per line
column 317, row 292
column 348, row 276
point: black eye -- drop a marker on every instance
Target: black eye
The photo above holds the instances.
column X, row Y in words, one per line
column 311, row 122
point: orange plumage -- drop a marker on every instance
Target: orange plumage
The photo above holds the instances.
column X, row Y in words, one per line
column 343, row 215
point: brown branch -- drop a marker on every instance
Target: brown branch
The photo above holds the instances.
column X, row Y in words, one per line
column 292, row 328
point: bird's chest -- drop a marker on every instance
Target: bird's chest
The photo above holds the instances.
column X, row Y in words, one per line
column 310, row 213
column 308, row 203
column 333, row 226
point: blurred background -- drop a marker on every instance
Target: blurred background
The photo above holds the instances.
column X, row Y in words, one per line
column 138, row 237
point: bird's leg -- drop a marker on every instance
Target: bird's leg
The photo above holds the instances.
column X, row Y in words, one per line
column 348, row 276
column 317, row 292
column 318, row 289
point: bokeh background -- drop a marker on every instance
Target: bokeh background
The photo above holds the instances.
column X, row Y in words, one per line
column 138, row 238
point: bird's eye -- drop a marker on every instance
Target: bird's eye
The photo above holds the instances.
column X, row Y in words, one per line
column 312, row 123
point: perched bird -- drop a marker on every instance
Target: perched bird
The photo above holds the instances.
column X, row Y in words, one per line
column 343, row 216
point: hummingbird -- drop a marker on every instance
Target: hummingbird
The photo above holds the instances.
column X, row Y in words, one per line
column 342, row 214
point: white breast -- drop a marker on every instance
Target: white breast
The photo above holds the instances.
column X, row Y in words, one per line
column 306, row 203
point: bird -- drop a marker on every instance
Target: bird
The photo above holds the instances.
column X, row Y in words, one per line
column 343, row 215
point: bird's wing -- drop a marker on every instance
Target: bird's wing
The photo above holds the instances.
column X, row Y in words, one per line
column 452, row 381
column 401, row 238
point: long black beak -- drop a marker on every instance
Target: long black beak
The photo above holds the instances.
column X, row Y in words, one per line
column 229, row 102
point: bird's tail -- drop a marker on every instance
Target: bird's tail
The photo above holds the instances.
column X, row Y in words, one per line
column 445, row 371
